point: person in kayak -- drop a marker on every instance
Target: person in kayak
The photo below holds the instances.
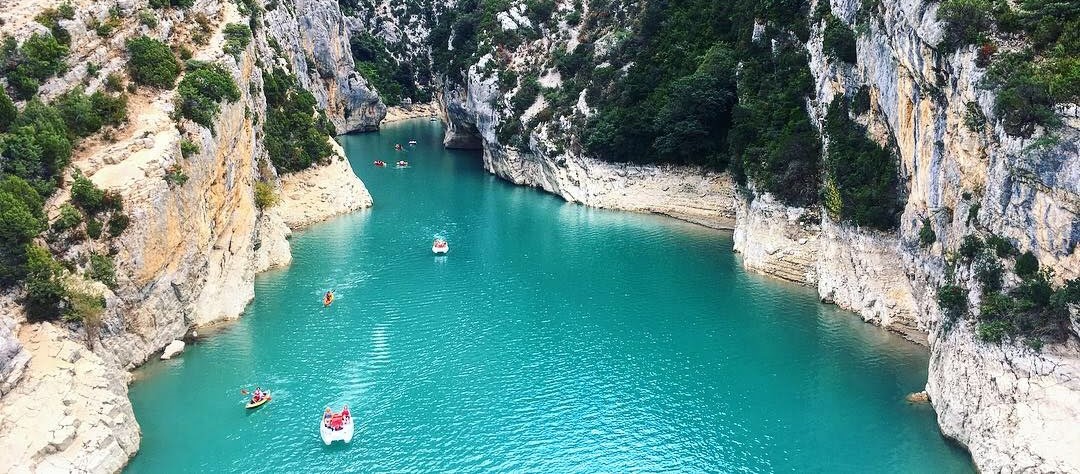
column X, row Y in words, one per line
column 328, row 298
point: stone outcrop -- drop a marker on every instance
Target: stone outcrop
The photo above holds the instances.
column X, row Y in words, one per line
column 1028, row 403
column 70, row 412
column 777, row 240
column 173, row 349
column 313, row 37
column 692, row 194
column 13, row 356
column 316, row 194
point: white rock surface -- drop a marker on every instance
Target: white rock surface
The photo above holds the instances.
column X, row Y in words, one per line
column 70, row 411
column 173, row 349
column 318, row 193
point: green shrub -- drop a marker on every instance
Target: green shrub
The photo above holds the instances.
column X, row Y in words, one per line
column 106, row 28
column 539, row 11
column 508, row 80
column 202, row 90
column 172, row 3
column 148, row 19
column 237, row 37
column 838, row 40
column 973, row 213
column 8, row 112
column 152, row 63
column 118, row 222
column 37, row 147
column 966, row 21
column 1001, row 246
column 94, row 228
column 40, row 57
column 573, row 18
column 45, row 292
column 927, row 237
column 860, row 103
column 85, row 308
column 86, row 114
column 102, row 269
column 989, row 272
column 690, row 124
column 50, row 18
column 393, row 80
column 1023, row 101
column 974, row 119
column 21, row 219
column 1068, row 294
column 866, row 174
column 70, row 218
column 507, row 130
column 175, row 176
column 525, row 96
column 1026, row 265
column 296, row 135
column 188, row 148
column 87, row 196
column 114, row 82
column 952, row 300
column 265, row 197
column 994, row 331
column 970, row 247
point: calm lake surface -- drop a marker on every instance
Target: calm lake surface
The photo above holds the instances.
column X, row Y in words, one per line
column 553, row 338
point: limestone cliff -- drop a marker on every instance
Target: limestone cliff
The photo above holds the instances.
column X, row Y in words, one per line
column 963, row 180
column 193, row 247
column 312, row 35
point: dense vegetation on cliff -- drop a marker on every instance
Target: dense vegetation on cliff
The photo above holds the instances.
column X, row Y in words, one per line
column 46, row 256
column 719, row 84
column 296, row 135
column 1029, row 80
column 1031, row 310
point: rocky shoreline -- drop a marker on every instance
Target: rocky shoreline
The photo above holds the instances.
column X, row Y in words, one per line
column 398, row 113
column 190, row 254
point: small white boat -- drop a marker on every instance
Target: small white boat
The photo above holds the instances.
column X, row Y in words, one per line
column 412, row 142
column 336, row 426
column 440, row 247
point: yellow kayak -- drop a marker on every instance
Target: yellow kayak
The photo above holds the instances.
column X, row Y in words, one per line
column 258, row 403
column 327, row 301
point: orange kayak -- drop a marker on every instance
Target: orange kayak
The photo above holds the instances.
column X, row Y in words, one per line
column 326, row 301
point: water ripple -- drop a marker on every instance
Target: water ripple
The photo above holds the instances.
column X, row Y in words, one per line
column 552, row 338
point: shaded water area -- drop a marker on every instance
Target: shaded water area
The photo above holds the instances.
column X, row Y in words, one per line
column 552, row 338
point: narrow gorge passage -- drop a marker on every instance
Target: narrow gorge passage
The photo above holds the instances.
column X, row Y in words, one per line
column 553, row 338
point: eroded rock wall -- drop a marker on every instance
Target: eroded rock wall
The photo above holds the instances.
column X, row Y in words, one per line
column 963, row 180
column 192, row 249
column 312, row 34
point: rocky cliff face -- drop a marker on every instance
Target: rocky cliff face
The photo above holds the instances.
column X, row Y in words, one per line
column 192, row 249
column 313, row 36
column 990, row 398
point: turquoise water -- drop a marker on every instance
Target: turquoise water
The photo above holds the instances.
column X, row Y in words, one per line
column 553, row 338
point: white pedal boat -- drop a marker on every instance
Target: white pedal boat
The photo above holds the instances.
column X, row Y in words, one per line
column 440, row 247
column 336, row 426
